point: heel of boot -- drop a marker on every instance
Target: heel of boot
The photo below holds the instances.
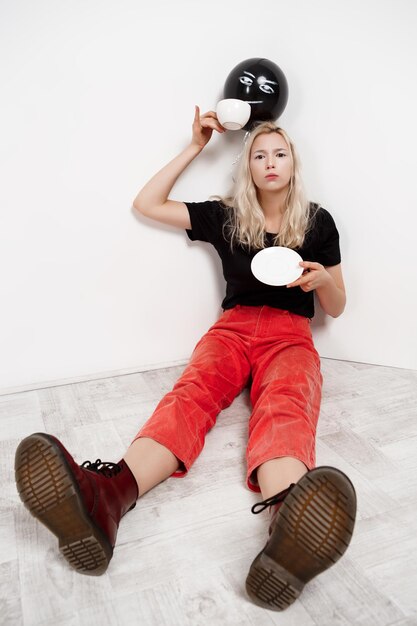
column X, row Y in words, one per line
column 270, row 585
column 87, row 555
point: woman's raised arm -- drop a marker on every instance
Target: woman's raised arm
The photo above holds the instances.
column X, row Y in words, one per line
column 152, row 200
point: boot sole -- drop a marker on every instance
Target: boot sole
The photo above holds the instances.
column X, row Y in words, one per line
column 312, row 530
column 49, row 490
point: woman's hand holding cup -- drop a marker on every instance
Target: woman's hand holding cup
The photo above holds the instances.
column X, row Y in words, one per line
column 203, row 126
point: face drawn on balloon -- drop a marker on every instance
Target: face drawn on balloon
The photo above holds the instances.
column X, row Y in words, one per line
column 262, row 84
column 247, row 79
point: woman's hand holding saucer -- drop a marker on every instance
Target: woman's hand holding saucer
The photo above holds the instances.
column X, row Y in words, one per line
column 313, row 277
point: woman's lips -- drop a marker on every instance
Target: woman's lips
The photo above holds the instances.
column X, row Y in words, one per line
column 272, row 176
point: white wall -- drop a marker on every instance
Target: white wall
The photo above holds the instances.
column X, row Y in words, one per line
column 98, row 96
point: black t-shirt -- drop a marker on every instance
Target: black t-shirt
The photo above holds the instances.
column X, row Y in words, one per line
column 321, row 245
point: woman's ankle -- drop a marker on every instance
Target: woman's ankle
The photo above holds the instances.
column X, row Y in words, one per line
column 150, row 463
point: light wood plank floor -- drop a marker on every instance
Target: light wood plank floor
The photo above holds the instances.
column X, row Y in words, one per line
column 183, row 553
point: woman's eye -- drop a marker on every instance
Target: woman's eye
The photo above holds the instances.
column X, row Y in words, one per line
column 281, row 154
column 266, row 88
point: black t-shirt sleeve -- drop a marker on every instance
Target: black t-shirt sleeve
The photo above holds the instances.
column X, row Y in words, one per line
column 206, row 221
column 328, row 249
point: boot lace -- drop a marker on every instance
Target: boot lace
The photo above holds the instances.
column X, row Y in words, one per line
column 279, row 497
column 102, row 467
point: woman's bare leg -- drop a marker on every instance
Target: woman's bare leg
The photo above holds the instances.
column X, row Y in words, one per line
column 277, row 474
column 150, row 462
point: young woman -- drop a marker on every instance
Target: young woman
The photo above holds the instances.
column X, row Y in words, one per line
column 263, row 337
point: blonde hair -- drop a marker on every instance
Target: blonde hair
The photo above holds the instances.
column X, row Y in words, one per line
column 246, row 221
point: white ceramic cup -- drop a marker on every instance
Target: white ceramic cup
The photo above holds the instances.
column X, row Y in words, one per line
column 232, row 113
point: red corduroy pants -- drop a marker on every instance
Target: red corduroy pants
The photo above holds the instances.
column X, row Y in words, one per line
column 273, row 348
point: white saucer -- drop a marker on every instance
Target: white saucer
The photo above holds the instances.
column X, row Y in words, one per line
column 276, row 266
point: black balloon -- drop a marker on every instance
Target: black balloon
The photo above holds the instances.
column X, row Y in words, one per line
column 261, row 83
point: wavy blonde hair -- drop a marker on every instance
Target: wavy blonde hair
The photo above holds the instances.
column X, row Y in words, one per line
column 245, row 224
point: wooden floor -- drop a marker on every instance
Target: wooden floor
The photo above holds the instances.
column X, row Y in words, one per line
column 183, row 553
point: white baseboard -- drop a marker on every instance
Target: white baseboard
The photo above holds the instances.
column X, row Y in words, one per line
column 96, row 376
column 133, row 370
